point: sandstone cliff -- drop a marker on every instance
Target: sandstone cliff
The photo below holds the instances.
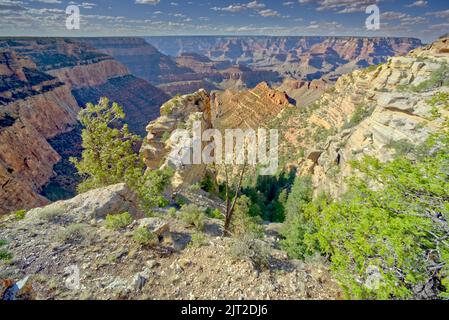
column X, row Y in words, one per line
column 298, row 57
column 391, row 104
column 157, row 148
column 42, row 83
column 35, row 107
column 248, row 109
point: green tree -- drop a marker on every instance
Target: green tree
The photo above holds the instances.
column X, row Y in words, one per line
column 108, row 156
column 393, row 220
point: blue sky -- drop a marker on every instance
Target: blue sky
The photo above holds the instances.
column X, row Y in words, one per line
column 416, row 18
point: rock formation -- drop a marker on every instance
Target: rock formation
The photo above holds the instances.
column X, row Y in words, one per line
column 42, row 84
column 394, row 113
column 298, row 57
column 157, row 148
column 248, row 109
column 34, row 107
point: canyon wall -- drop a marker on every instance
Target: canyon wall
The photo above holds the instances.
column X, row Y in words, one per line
column 393, row 113
column 298, row 57
column 43, row 81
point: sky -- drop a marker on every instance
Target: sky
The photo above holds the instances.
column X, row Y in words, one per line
column 426, row 20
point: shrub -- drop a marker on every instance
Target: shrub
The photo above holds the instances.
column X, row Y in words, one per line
column 298, row 208
column 118, row 221
column 214, row 214
column 208, row 183
column 198, row 240
column 5, row 255
column 74, row 232
column 172, row 212
column 144, row 237
column 192, row 215
column 20, row 215
column 359, row 115
column 51, row 213
column 248, row 247
column 167, row 109
column 242, row 222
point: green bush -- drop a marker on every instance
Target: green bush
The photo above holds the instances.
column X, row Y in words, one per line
column 391, row 229
column 192, row 215
column 242, row 222
column 172, row 212
column 74, row 232
column 248, row 247
column 20, row 215
column 214, row 214
column 298, row 207
column 198, row 240
column 144, row 237
column 208, row 183
column 118, row 221
column 360, row 114
column 5, row 255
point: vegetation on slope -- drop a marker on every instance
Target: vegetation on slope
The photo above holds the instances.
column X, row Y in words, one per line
column 109, row 158
column 387, row 236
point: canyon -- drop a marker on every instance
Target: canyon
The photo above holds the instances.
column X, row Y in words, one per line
column 323, row 126
column 45, row 82
column 301, row 58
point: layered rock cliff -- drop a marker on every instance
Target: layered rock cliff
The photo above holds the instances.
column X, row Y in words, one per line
column 141, row 58
column 299, row 57
column 43, row 81
column 252, row 108
column 34, row 107
column 377, row 112
column 159, row 146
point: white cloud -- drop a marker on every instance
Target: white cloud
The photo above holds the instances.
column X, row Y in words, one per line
column 341, row 6
column 419, row 3
column 48, row 1
column 439, row 14
column 152, row 2
column 269, row 13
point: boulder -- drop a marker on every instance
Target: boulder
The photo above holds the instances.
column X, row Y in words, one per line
column 97, row 204
column 156, row 226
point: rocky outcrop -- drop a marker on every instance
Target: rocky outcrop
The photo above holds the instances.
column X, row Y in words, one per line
column 53, row 245
column 304, row 92
column 42, row 83
column 94, row 204
column 36, row 107
column 389, row 113
column 298, row 57
column 248, row 109
column 157, row 148
column 141, row 58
